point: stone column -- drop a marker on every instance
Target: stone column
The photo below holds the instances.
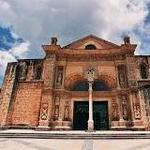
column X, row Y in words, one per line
column 90, row 121
column 90, row 75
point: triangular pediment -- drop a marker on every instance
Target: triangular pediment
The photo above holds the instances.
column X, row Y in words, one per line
column 91, row 40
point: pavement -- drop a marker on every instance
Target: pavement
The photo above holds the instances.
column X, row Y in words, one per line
column 29, row 143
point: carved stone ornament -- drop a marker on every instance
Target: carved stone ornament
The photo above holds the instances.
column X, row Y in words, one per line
column 90, row 74
column 137, row 112
column 66, row 111
column 56, row 108
column 44, row 111
column 115, row 114
column 124, row 107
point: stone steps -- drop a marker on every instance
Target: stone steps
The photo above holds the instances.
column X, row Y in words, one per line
column 87, row 135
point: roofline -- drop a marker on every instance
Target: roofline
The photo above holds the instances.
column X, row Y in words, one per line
column 90, row 35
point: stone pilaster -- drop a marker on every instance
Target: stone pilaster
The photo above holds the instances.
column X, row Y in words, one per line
column 116, row 74
column 7, row 91
column 49, row 71
column 131, row 71
column 136, row 111
column 45, row 110
column 132, row 104
column 121, row 124
column 30, row 74
column 142, row 105
column 114, row 113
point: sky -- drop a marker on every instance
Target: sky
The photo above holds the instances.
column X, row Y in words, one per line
column 27, row 24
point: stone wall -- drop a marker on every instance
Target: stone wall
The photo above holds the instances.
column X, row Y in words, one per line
column 27, row 104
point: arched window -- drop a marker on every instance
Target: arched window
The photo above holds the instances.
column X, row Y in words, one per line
column 38, row 73
column 90, row 47
column 97, row 86
column 144, row 71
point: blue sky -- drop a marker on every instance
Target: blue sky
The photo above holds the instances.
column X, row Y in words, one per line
column 25, row 27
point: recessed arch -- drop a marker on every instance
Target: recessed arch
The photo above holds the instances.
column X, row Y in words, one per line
column 98, row 85
column 73, row 79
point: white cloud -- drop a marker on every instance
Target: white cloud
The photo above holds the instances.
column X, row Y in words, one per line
column 20, row 51
column 120, row 15
column 5, row 57
column 72, row 18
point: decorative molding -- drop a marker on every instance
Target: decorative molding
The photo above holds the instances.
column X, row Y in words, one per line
column 44, row 111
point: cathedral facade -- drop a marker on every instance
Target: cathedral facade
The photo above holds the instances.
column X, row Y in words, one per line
column 54, row 93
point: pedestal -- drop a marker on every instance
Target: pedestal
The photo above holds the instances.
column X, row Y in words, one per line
column 90, row 125
column 138, row 125
column 61, row 125
column 43, row 125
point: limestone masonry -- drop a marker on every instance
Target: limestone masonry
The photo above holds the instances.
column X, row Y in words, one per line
column 52, row 93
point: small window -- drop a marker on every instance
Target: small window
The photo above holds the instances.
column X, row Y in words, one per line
column 144, row 71
column 90, row 47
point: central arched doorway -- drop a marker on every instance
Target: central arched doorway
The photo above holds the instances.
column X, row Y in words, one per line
column 81, row 109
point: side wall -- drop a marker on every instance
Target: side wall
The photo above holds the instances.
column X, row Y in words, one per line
column 27, row 104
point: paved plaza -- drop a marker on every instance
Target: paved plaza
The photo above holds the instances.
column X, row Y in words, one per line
column 67, row 144
column 29, row 143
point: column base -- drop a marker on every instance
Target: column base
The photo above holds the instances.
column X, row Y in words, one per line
column 118, row 125
column 43, row 125
column 61, row 125
column 43, row 128
column 90, row 125
column 138, row 125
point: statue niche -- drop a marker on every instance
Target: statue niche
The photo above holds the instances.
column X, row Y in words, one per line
column 59, row 77
column 122, row 76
